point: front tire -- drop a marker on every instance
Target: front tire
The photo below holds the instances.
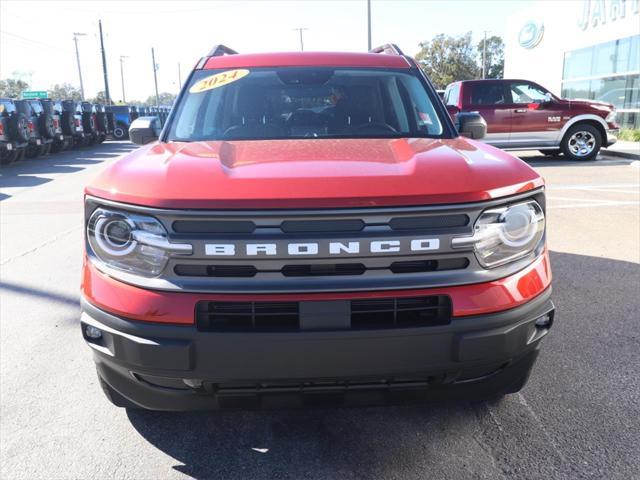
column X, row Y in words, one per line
column 582, row 142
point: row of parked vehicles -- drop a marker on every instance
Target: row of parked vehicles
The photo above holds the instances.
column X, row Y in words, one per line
column 29, row 128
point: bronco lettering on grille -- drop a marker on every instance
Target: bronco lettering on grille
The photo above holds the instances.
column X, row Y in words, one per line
column 322, row 248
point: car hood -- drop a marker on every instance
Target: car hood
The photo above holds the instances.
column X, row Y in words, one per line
column 602, row 106
column 313, row 173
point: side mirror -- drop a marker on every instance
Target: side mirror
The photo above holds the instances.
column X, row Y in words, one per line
column 144, row 130
column 548, row 98
column 472, row 125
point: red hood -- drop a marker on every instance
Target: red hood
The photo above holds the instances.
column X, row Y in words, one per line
column 598, row 105
column 313, row 173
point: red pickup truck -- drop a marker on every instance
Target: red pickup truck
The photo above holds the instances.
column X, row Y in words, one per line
column 310, row 227
column 522, row 115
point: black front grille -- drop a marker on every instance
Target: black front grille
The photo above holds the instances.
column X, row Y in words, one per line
column 378, row 313
column 323, row 269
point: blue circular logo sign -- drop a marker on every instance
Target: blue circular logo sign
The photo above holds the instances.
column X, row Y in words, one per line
column 530, row 34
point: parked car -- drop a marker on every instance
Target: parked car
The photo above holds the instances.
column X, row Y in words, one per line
column 60, row 140
column 89, row 124
column 314, row 226
column 41, row 129
column 72, row 124
column 14, row 132
column 123, row 116
column 522, row 115
column 102, row 125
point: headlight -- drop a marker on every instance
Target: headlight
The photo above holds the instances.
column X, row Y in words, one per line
column 611, row 118
column 502, row 235
column 130, row 242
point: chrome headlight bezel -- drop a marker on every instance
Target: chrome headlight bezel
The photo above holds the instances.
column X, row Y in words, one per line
column 506, row 234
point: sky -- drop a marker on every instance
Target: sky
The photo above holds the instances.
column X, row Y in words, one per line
column 36, row 37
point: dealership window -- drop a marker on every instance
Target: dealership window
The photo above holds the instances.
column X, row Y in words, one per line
column 608, row 72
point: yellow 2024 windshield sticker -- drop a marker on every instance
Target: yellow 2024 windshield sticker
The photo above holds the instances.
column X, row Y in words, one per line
column 218, row 80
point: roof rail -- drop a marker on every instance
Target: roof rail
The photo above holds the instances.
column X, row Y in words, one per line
column 220, row 50
column 388, row 48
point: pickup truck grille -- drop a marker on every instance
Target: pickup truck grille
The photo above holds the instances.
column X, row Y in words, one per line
column 376, row 313
column 336, row 250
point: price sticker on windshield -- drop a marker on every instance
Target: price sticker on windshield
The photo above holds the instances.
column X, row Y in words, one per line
column 218, row 80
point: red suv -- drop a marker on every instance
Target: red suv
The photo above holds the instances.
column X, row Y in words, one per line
column 522, row 115
column 312, row 225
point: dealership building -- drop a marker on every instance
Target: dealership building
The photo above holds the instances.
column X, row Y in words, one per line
column 584, row 49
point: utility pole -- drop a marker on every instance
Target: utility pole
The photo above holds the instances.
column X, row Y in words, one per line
column 75, row 40
column 179, row 78
column 301, row 42
column 484, row 55
column 104, row 66
column 122, row 57
column 368, row 25
column 155, row 76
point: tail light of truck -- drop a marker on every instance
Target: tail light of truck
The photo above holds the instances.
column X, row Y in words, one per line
column 31, row 127
column 77, row 122
column 1, row 130
column 56, row 124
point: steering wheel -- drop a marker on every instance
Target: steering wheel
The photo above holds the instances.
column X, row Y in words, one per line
column 375, row 126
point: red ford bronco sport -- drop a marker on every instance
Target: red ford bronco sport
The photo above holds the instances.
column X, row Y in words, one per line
column 313, row 226
column 522, row 115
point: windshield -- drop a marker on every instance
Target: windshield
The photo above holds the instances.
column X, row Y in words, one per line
column 285, row 103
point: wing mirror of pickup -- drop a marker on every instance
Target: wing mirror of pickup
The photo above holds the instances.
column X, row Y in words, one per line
column 144, row 130
column 471, row 125
column 453, row 111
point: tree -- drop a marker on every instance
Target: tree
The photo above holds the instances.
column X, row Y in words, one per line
column 65, row 91
column 494, row 57
column 448, row 59
column 99, row 98
column 166, row 98
column 12, row 88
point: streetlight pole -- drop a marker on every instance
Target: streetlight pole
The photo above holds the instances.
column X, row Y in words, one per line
column 155, row 76
column 104, row 66
column 75, row 40
column 484, row 55
column 368, row 25
column 122, row 57
column 300, row 30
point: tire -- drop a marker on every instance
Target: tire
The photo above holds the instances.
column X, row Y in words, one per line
column 47, row 130
column 68, row 123
column 32, row 151
column 120, row 133
column 8, row 156
column 19, row 127
column 57, row 146
column 582, row 142
column 551, row 153
column 114, row 397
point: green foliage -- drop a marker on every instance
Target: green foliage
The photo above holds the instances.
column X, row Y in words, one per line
column 166, row 98
column 12, row 88
column 65, row 91
column 99, row 98
column 494, row 61
column 629, row 135
column 447, row 59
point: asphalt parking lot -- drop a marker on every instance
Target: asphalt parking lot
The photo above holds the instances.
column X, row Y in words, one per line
column 579, row 417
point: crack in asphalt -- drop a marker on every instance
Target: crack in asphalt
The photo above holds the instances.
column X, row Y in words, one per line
column 43, row 244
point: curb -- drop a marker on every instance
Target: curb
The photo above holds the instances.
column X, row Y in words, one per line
column 615, row 153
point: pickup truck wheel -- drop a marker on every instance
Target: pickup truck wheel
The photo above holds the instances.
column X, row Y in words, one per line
column 551, row 153
column 32, row 151
column 120, row 133
column 581, row 142
column 7, row 156
column 114, row 397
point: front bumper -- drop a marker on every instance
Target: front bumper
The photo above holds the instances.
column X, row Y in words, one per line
column 170, row 367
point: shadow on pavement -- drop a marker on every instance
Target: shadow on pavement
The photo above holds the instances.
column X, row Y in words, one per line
column 560, row 161
column 573, row 403
column 31, row 291
column 25, row 173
